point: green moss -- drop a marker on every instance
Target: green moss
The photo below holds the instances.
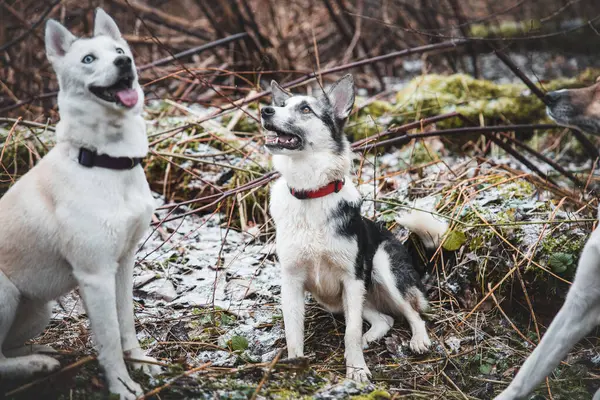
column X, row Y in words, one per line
column 377, row 394
column 476, row 99
column 376, row 109
column 365, row 122
column 518, row 188
column 559, row 253
column 505, row 29
column 564, row 243
column 362, row 127
column 588, row 76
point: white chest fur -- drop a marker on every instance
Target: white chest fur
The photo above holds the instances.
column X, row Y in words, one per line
column 309, row 240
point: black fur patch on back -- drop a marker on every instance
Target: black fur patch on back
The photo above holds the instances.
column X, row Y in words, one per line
column 370, row 236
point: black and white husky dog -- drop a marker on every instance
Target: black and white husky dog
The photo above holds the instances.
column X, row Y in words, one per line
column 348, row 263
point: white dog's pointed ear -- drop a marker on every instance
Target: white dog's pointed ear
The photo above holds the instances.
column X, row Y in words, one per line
column 105, row 25
column 341, row 96
column 279, row 95
column 58, row 40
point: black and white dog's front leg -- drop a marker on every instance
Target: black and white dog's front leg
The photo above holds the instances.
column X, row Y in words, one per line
column 292, row 303
column 353, row 298
column 578, row 316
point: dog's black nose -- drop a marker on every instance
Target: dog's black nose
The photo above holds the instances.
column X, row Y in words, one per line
column 553, row 97
column 267, row 112
column 123, row 62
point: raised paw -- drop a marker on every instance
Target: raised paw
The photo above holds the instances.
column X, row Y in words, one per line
column 420, row 343
column 358, row 374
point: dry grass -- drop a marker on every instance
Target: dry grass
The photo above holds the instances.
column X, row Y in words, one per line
column 492, row 297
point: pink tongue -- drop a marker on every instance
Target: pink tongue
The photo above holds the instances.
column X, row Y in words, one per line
column 128, row 97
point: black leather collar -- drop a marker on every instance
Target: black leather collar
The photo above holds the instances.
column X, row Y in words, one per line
column 89, row 158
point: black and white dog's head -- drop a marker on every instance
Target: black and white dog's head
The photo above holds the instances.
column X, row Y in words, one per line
column 97, row 71
column 304, row 124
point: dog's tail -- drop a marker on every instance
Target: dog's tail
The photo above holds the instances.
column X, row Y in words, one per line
column 430, row 230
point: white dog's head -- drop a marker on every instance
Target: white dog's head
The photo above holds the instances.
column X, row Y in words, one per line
column 99, row 69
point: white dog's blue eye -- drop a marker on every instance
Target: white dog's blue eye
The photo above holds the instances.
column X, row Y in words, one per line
column 120, row 50
column 88, row 59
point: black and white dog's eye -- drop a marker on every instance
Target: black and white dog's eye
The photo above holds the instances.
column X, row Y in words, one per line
column 120, row 50
column 88, row 59
column 305, row 110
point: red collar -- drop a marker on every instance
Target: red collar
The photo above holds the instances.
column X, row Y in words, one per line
column 331, row 187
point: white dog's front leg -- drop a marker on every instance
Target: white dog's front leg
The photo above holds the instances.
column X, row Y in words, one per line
column 129, row 341
column 354, row 297
column 577, row 317
column 292, row 303
column 98, row 289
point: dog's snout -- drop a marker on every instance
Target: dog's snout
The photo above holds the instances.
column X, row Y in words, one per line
column 123, row 62
column 267, row 112
column 553, row 97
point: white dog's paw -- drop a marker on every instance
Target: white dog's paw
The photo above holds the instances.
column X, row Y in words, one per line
column 127, row 389
column 43, row 363
column 358, row 374
column 37, row 364
column 420, row 343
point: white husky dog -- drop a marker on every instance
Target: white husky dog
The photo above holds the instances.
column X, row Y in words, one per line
column 76, row 218
column 349, row 263
column 579, row 109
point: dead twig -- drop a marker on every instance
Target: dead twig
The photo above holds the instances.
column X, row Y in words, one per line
column 193, row 51
column 400, row 140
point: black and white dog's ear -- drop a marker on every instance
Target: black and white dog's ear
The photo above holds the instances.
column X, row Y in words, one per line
column 105, row 25
column 341, row 96
column 58, row 40
column 279, row 95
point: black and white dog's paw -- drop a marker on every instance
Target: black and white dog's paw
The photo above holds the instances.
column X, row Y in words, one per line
column 420, row 343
